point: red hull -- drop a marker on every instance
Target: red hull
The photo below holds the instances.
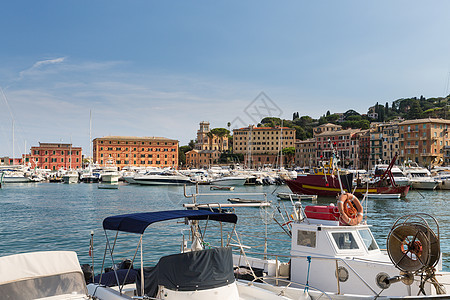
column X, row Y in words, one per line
column 328, row 185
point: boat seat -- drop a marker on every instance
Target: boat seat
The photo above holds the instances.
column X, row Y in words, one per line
column 109, row 278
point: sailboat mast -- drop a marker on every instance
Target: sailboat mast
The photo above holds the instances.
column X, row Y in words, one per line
column 13, row 141
column 90, row 135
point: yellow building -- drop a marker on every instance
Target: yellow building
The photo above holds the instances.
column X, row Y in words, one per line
column 305, row 153
column 136, row 151
column 201, row 158
column 206, row 140
column 423, row 141
column 262, row 140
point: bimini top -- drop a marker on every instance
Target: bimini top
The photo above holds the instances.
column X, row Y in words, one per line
column 138, row 222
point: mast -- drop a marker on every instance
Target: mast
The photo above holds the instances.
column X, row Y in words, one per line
column 281, row 145
column 13, row 142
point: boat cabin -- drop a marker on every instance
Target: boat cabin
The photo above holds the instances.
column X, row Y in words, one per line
column 341, row 259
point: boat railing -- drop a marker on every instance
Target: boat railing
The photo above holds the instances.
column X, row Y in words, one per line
column 278, row 278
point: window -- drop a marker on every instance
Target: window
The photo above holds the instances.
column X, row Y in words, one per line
column 306, row 238
column 345, row 240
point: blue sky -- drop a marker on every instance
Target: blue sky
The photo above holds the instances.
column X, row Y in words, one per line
column 158, row 68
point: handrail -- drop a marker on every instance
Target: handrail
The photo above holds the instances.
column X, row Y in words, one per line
column 318, row 258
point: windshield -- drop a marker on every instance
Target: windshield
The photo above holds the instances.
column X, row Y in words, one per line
column 368, row 239
column 345, row 240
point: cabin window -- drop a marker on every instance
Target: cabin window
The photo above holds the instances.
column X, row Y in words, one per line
column 368, row 239
column 345, row 240
column 306, row 238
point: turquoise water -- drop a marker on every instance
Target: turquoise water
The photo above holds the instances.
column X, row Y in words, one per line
column 54, row 216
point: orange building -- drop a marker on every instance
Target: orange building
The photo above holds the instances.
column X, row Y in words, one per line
column 202, row 158
column 136, row 151
column 54, row 156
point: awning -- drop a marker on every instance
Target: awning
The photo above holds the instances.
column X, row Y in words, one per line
column 138, row 222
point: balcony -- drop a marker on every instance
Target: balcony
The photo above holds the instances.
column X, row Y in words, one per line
column 412, row 147
column 428, row 154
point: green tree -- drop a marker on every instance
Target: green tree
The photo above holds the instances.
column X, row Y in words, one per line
column 191, row 144
column 415, row 112
column 289, row 154
column 220, row 132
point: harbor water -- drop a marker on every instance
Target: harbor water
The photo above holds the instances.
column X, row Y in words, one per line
column 55, row 216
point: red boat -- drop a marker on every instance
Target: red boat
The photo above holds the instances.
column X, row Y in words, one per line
column 324, row 182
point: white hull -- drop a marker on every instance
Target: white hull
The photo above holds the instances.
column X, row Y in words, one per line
column 229, row 181
column 424, row 184
column 234, row 291
column 445, row 184
column 110, row 178
column 14, row 179
column 383, row 196
column 70, row 179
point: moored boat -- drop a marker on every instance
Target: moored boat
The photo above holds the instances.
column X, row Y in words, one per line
column 55, row 275
column 299, row 197
column 200, row 271
column 240, row 200
column 329, row 181
column 231, row 180
column 168, row 177
column 383, row 196
column 331, row 260
column 221, row 188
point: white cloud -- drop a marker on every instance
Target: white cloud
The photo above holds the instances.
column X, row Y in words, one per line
column 39, row 64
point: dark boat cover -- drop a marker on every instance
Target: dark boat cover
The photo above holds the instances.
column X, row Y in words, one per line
column 190, row 271
column 138, row 222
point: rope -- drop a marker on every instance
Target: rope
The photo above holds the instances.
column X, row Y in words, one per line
column 308, row 258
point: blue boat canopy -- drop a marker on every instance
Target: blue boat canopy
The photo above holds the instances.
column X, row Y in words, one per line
column 138, row 222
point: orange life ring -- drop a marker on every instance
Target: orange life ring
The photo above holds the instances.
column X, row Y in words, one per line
column 350, row 209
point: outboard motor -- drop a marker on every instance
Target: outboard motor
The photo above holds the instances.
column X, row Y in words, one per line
column 414, row 249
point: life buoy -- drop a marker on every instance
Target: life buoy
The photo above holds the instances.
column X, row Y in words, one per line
column 350, row 209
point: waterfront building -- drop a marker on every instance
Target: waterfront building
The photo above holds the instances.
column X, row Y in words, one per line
column 423, row 141
column 55, row 156
column 344, row 142
column 206, row 140
column 376, row 145
column 363, row 138
column 9, row 161
column 446, row 155
column 262, row 140
column 390, row 135
column 262, row 145
column 305, row 153
column 201, row 158
column 136, row 151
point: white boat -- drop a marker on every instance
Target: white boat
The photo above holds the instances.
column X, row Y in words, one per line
column 230, row 180
column 195, row 273
column 15, row 177
column 383, row 196
column 168, row 177
column 221, row 188
column 331, row 261
column 71, row 176
column 289, row 196
column 400, row 177
column 54, row 275
column 109, row 175
column 443, row 176
column 421, row 178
